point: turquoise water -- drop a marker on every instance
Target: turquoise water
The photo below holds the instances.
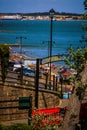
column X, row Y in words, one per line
column 37, row 32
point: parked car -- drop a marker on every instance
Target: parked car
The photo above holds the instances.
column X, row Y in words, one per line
column 30, row 72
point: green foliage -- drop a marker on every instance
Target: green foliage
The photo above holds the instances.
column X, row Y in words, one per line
column 2, row 127
column 85, row 53
column 76, row 58
column 80, row 91
column 4, row 59
column 85, row 4
column 72, row 78
column 84, row 16
column 73, row 116
column 19, row 126
column 40, row 122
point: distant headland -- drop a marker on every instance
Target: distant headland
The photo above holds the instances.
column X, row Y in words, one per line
column 40, row 16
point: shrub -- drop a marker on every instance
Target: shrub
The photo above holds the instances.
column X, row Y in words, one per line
column 2, row 127
column 19, row 126
column 40, row 122
column 38, row 125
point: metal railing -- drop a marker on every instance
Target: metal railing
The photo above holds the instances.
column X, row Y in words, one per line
column 28, row 81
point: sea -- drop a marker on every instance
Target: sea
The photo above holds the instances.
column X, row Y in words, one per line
column 36, row 36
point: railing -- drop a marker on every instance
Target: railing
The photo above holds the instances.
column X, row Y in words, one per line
column 13, row 79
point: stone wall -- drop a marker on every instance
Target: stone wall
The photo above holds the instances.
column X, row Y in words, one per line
column 9, row 96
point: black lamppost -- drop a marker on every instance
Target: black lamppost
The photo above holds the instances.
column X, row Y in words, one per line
column 21, row 58
column 48, row 44
column 51, row 14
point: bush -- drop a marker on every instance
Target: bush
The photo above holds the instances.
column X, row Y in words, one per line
column 40, row 122
column 37, row 126
column 2, row 127
column 19, row 126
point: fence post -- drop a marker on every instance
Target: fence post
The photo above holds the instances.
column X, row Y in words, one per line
column 46, row 81
column 53, row 82
column 56, row 83
column 37, row 82
column 30, row 111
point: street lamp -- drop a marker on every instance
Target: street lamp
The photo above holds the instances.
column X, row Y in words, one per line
column 51, row 15
column 48, row 44
column 21, row 57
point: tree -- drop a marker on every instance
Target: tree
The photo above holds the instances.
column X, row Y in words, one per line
column 4, row 60
column 76, row 59
column 84, row 16
column 85, row 4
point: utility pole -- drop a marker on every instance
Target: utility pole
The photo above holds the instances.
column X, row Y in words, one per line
column 21, row 58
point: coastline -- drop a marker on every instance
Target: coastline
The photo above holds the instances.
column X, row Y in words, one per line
column 57, row 17
column 33, row 46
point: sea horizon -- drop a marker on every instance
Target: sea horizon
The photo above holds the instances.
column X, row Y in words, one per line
column 36, row 34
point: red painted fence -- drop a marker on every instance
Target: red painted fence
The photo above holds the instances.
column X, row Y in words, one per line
column 57, row 114
column 52, row 114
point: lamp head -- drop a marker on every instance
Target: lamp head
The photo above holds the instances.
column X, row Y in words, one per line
column 51, row 13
